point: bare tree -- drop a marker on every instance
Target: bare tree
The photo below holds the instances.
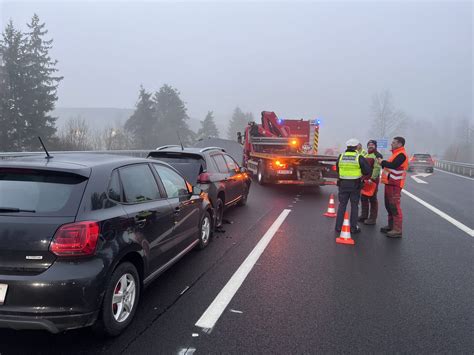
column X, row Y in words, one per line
column 75, row 135
column 388, row 121
column 116, row 138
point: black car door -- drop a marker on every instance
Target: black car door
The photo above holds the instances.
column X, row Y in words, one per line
column 151, row 216
column 231, row 186
column 186, row 207
column 235, row 175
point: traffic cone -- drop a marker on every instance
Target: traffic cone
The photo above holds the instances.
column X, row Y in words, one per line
column 331, row 208
column 345, row 237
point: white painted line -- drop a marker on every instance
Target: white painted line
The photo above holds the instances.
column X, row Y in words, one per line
column 415, row 177
column 212, row 314
column 450, row 173
column 440, row 213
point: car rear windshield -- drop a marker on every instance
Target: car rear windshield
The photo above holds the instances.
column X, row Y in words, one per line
column 47, row 193
column 422, row 156
column 189, row 166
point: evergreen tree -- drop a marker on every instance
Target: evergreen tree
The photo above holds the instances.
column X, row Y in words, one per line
column 43, row 83
column 237, row 123
column 171, row 113
column 208, row 127
column 14, row 86
column 143, row 123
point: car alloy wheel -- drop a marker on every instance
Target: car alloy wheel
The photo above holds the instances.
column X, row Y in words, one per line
column 124, row 298
column 205, row 231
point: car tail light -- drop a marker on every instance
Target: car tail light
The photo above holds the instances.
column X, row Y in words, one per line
column 334, row 168
column 204, row 178
column 76, row 239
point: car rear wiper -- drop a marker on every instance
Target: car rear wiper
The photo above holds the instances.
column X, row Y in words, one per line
column 14, row 209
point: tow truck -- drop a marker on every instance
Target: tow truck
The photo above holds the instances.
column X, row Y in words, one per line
column 285, row 151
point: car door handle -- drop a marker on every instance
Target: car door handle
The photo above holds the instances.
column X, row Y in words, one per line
column 140, row 223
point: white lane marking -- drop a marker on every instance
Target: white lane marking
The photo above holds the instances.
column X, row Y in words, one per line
column 440, row 213
column 236, row 311
column 212, row 314
column 415, row 177
column 450, row 173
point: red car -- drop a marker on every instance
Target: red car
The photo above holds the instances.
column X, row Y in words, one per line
column 421, row 162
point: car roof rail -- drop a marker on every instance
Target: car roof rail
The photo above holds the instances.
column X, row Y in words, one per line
column 168, row 146
column 211, row 148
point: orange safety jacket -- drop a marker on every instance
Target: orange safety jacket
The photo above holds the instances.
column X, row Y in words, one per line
column 396, row 176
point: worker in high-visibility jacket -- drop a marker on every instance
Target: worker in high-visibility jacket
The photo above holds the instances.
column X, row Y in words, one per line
column 351, row 166
column 394, row 176
column 368, row 199
column 361, row 150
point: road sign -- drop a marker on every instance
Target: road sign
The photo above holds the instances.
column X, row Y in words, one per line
column 382, row 143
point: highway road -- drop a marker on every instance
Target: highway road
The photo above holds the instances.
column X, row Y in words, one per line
column 284, row 286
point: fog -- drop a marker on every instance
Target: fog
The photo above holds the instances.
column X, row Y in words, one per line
column 301, row 60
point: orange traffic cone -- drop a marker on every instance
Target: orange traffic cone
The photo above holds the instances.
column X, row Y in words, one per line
column 331, row 208
column 345, row 237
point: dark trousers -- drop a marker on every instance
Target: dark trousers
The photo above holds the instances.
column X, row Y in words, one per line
column 369, row 206
column 348, row 191
column 392, row 204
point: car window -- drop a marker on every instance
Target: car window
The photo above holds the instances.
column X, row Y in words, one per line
column 231, row 163
column 422, row 156
column 45, row 192
column 221, row 164
column 174, row 184
column 114, row 190
column 139, row 184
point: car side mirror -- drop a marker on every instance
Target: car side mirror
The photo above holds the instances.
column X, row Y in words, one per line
column 243, row 170
column 197, row 190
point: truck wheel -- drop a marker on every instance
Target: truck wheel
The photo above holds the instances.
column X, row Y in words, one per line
column 261, row 174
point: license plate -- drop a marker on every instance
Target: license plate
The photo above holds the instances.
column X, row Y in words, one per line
column 284, row 172
column 421, row 161
column 3, row 293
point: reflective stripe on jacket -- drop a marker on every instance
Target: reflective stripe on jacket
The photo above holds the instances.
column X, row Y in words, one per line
column 396, row 176
column 349, row 166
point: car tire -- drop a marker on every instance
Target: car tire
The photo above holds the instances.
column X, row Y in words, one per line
column 114, row 317
column 205, row 230
column 243, row 200
column 261, row 174
column 219, row 212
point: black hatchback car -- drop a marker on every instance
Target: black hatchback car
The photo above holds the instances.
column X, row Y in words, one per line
column 81, row 235
column 213, row 170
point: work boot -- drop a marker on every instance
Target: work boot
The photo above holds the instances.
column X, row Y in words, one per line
column 370, row 222
column 394, row 234
column 386, row 229
column 355, row 230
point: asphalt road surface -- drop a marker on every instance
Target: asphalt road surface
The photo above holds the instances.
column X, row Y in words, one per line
column 284, row 286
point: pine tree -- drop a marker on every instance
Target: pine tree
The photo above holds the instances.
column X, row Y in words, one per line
column 43, row 83
column 237, row 123
column 208, row 127
column 14, row 86
column 172, row 115
column 143, row 123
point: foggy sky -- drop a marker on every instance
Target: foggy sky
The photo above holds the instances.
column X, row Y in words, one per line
column 305, row 60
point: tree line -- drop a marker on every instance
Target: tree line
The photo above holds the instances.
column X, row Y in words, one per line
column 29, row 83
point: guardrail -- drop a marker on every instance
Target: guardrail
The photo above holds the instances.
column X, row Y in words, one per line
column 134, row 153
column 455, row 167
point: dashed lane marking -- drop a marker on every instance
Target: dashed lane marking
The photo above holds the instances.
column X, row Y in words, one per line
column 212, row 314
column 440, row 213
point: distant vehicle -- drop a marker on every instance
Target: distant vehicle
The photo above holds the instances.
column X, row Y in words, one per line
column 211, row 169
column 421, row 162
column 283, row 151
column 82, row 234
